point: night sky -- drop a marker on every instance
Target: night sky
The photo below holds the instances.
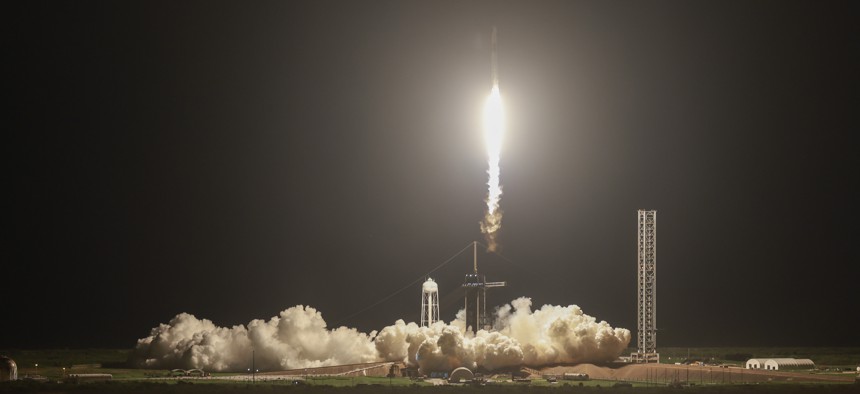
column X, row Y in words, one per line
column 233, row 159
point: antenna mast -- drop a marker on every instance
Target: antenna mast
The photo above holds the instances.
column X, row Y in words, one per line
column 475, row 255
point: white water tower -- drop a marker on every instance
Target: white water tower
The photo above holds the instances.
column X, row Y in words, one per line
column 429, row 303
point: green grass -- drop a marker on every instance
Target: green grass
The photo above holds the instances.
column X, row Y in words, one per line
column 337, row 381
column 185, row 387
column 126, row 379
column 565, row 384
column 116, row 358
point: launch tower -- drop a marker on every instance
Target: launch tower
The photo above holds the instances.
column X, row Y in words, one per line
column 647, row 289
column 476, row 286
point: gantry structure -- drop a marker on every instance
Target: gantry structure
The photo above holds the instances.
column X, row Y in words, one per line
column 646, row 264
column 476, row 286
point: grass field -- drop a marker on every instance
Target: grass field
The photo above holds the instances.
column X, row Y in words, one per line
column 69, row 357
column 51, row 364
column 824, row 357
column 143, row 387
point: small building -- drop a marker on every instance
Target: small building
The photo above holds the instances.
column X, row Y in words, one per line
column 574, row 376
column 8, row 369
column 460, row 375
column 756, row 363
column 196, row 372
column 777, row 364
column 191, row 372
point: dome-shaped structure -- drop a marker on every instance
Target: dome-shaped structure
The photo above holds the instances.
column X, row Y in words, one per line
column 8, row 369
column 461, row 374
column 756, row 363
column 775, row 364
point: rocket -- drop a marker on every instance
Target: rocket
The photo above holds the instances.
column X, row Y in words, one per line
column 494, row 67
column 494, row 130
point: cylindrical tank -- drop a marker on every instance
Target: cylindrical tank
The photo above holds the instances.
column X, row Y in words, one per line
column 429, row 303
column 430, row 286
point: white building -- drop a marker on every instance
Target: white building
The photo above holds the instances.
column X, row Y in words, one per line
column 776, row 364
column 756, row 363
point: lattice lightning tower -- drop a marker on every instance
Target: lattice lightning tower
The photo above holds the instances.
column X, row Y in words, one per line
column 647, row 288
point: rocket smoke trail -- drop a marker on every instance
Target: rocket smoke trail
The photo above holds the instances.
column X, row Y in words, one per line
column 494, row 130
column 299, row 337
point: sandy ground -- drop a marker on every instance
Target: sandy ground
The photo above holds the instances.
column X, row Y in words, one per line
column 658, row 373
column 690, row 373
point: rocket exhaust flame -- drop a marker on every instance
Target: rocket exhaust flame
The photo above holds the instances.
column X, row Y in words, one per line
column 494, row 127
column 494, row 130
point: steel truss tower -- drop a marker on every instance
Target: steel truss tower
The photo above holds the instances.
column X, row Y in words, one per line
column 429, row 303
column 647, row 288
column 476, row 286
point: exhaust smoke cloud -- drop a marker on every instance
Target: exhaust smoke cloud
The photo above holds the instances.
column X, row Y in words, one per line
column 296, row 338
column 299, row 338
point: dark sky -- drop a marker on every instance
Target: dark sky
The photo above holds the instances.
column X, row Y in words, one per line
column 233, row 159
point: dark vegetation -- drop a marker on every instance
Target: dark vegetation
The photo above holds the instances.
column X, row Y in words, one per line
column 137, row 387
column 133, row 381
column 738, row 356
column 822, row 356
column 108, row 358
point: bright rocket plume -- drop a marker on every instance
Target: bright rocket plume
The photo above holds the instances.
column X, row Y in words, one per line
column 494, row 131
column 299, row 337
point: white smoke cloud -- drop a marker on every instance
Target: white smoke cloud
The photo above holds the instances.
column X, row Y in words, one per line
column 296, row 338
column 299, row 338
column 560, row 334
